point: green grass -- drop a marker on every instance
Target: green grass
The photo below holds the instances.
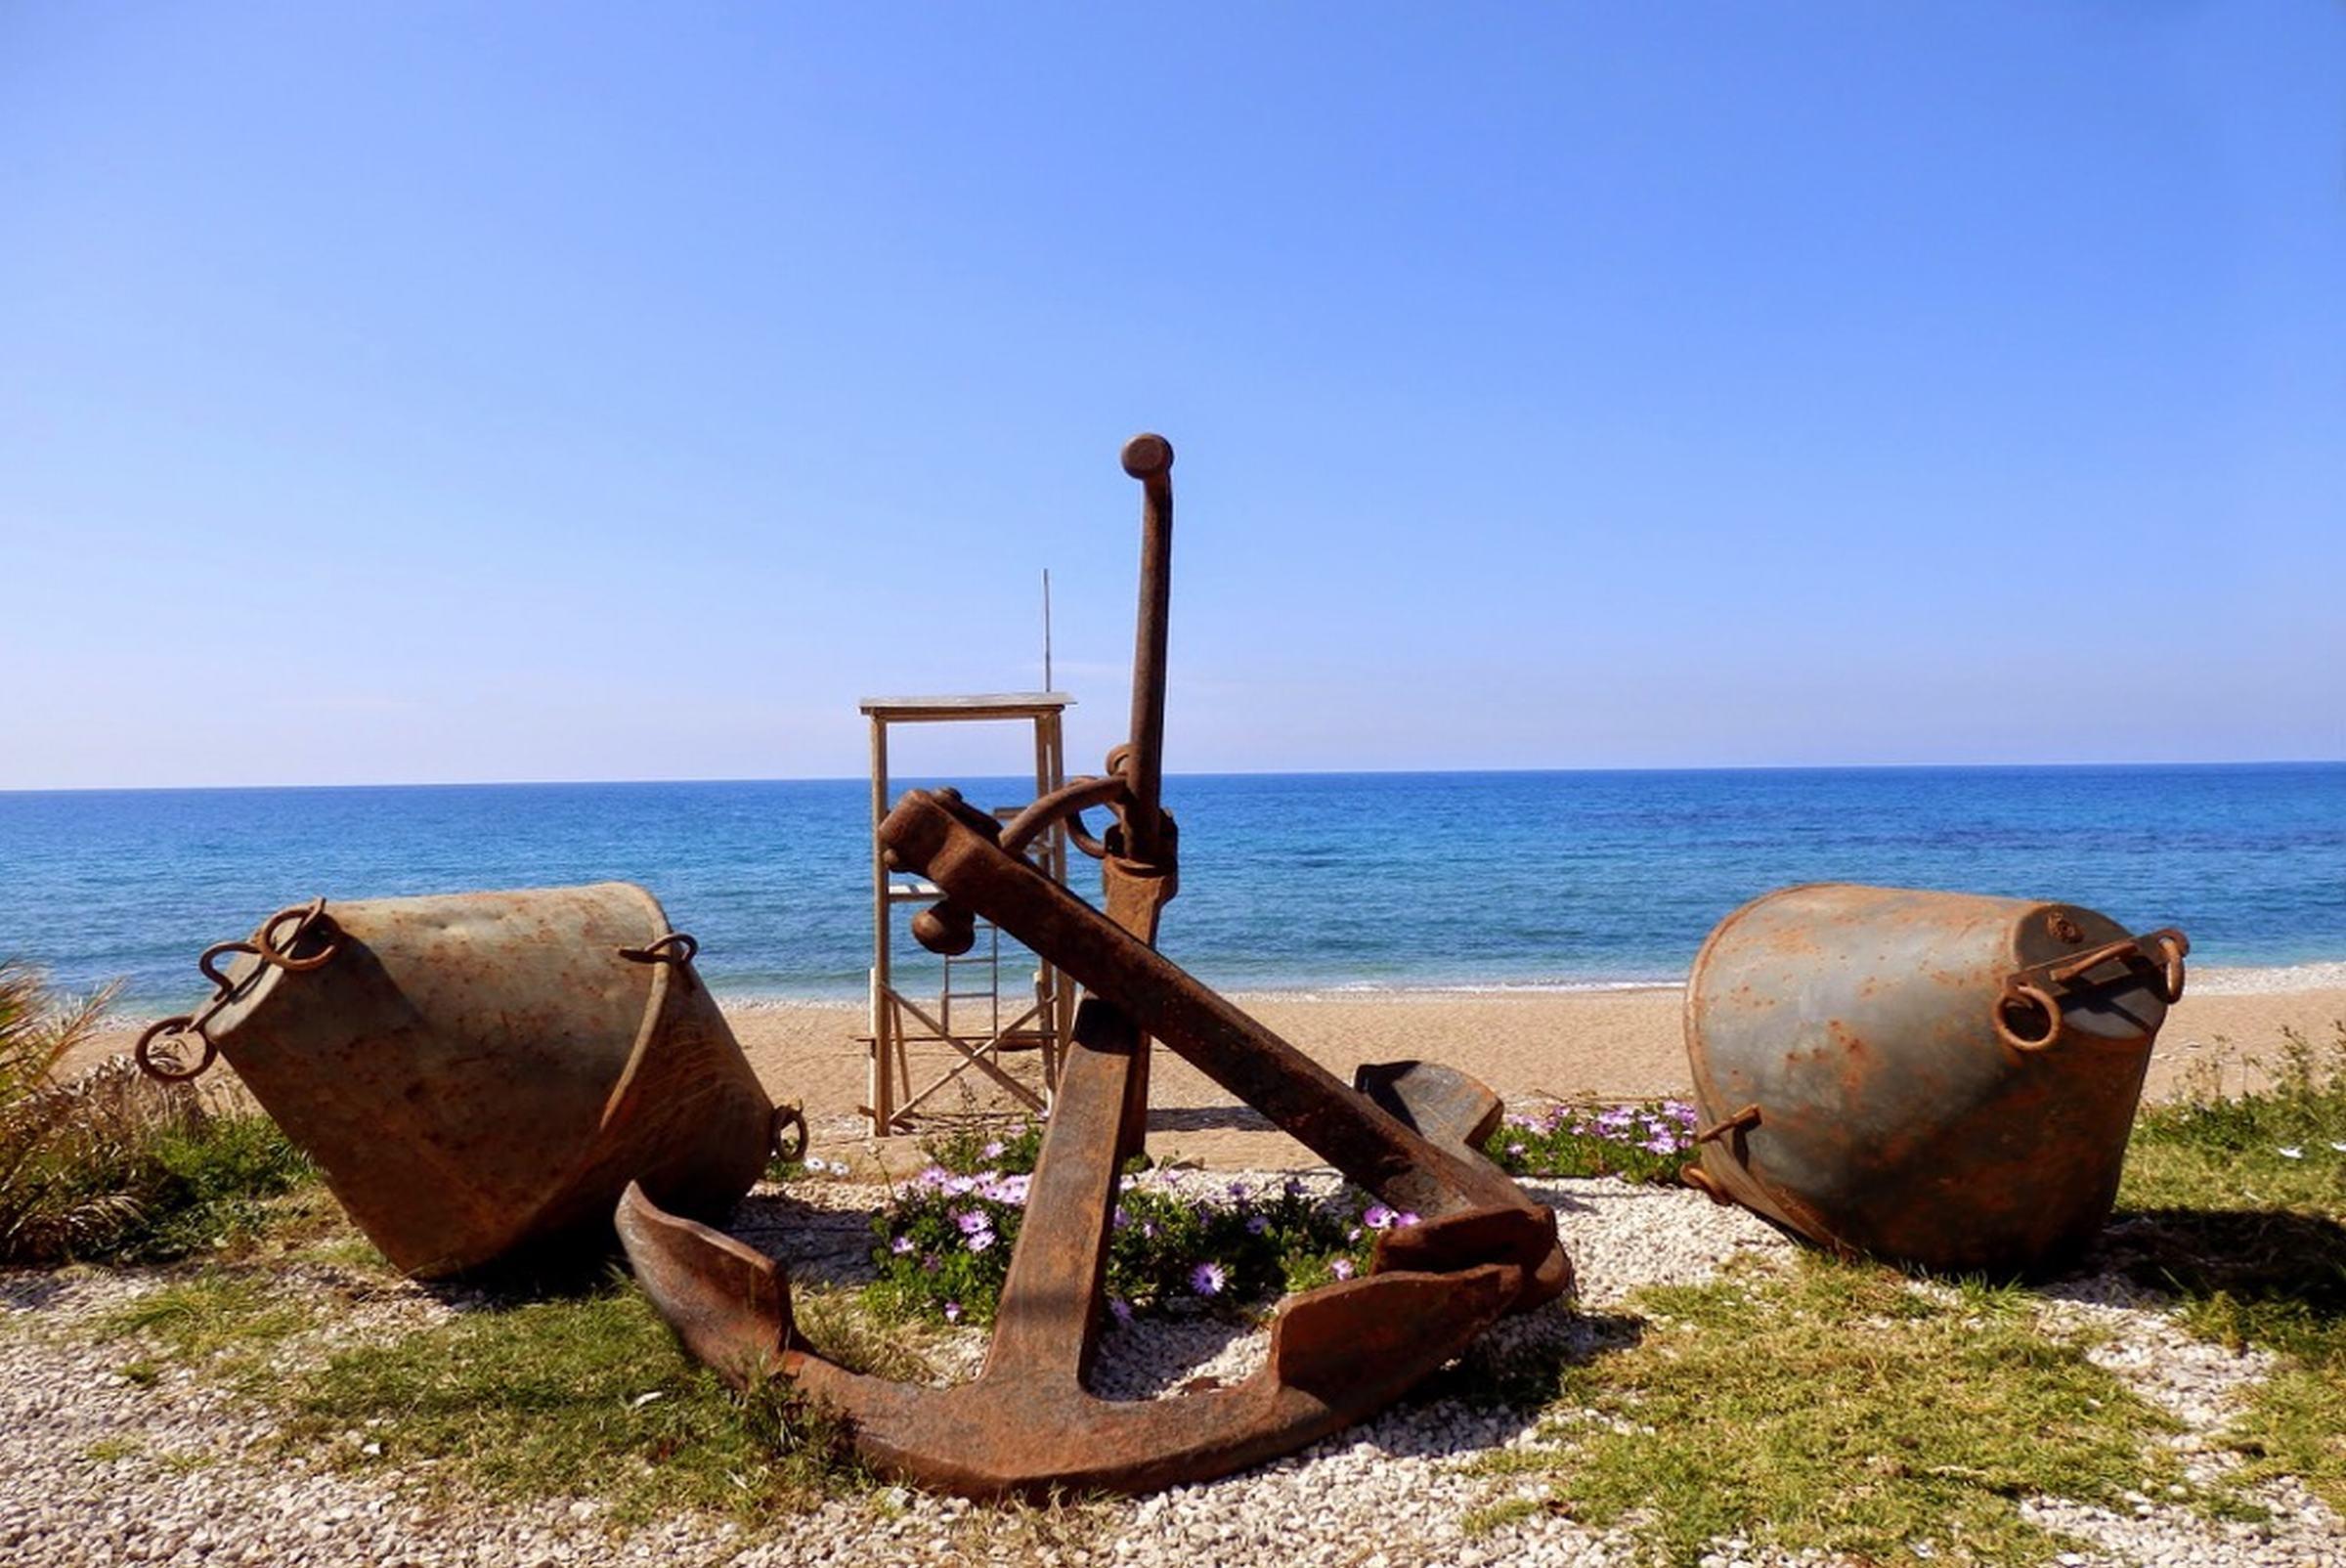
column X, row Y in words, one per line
column 229, row 1320
column 2234, row 1205
column 348, row 1250
column 1483, row 1521
column 587, row 1396
column 2271, row 1148
column 1843, row 1407
column 206, row 1185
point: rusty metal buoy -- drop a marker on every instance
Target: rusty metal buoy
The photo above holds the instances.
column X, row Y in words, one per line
column 1933, row 1078
column 484, row 1073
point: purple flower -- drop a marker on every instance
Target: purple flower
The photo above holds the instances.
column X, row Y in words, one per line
column 900, row 1246
column 1403, row 1220
column 1341, row 1268
column 952, row 1312
column 1378, row 1217
column 1663, row 1142
column 960, row 1186
column 928, row 1263
column 1207, row 1279
column 1119, row 1309
column 1516, row 1150
column 1014, row 1190
column 1148, row 1228
column 971, row 1221
column 1256, row 1225
column 980, row 1240
column 1121, row 1218
column 992, row 1151
column 1353, row 1235
column 933, row 1176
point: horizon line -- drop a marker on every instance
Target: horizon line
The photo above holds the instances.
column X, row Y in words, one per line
column 1317, row 772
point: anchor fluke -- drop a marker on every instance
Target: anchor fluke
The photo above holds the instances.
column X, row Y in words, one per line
column 728, row 1304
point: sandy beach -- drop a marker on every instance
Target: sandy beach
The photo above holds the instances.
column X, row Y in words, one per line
column 1528, row 1045
column 1607, row 1045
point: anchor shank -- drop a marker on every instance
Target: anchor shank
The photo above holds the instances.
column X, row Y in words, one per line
column 1049, row 1318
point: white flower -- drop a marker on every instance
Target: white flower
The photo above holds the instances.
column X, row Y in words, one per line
column 2287, row 1153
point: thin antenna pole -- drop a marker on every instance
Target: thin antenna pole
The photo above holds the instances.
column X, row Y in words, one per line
column 1047, row 686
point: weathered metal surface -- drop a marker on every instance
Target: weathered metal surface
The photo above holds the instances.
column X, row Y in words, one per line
column 1027, row 1424
column 1446, row 1104
column 1935, row 1079
column 484, row 1073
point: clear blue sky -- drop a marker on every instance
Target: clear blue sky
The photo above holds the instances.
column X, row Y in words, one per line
column 431, row 392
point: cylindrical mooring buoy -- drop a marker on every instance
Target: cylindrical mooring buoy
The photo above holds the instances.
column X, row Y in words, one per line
column 1934, row 1078
column 481, row 1075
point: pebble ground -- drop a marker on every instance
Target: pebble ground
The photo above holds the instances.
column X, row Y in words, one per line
column 97, row 1469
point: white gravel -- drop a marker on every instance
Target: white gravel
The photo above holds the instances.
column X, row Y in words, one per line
column 94, row 1469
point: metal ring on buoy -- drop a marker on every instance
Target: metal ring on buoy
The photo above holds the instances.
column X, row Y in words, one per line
column 2172, row 945
column 677, row 948
column 2017, row 990
column 305, row 917
column 220, row 982
column 785, row 1119
column 153, row 1064
column 1700, row 1180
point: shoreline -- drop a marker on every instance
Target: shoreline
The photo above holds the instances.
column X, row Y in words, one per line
column 2228, row 980
column 2232, row 980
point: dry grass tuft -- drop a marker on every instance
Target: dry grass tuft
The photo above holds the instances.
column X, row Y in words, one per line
column 114, row 1164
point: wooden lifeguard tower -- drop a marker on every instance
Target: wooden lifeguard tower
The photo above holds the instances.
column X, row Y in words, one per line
column 970, row 1022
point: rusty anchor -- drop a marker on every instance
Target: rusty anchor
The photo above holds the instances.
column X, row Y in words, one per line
column 1933, row 1078
column 1027, row 1424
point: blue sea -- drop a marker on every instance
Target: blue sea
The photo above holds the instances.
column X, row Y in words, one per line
column 1288, row 882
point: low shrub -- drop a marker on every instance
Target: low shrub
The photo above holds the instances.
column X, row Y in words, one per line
column 113, row 1166
column 1182, row 1240
column 1641, row 1143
